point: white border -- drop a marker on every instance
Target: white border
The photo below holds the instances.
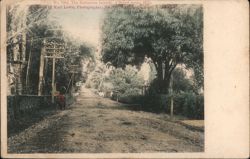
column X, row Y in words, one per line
column 226, row 67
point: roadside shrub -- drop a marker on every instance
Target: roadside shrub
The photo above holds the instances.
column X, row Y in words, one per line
column 152, row 103
column 186, row 104
column 189, row 105
column 200, row 107
column 131, row 99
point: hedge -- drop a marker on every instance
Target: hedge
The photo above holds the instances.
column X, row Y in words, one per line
column 185, row 104
column 189, row 105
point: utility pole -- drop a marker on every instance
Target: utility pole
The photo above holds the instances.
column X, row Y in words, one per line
column 73, row 69
column 54, row 50
column 53, row 78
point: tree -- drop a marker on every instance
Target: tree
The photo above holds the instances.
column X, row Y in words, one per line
column 74, row 55
column 33, row 24
column 87, row 51
column 126, row 81
column 41, row 26
column 169, row 35
column 96, row 77
column 22, row 20
column 180, row 82
column 38, row 26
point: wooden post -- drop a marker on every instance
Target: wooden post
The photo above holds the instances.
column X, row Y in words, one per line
column 54, row 57
column 53, row 80
column 172, row 107
column 41, row 72
column 171, row 100
column 54, row 53
column 72, row 84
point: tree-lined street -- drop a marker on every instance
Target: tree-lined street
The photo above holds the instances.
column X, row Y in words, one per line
column 134, row 83
column 95, row 125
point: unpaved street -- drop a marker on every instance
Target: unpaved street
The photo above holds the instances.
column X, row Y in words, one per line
column 100, row 125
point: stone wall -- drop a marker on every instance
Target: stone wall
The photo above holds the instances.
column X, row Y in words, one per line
column 20, row 104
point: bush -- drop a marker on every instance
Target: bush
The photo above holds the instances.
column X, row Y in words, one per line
column 200, row 107
column 186, row 104
column 131, row 99
column 151, row 103
column 189, row 105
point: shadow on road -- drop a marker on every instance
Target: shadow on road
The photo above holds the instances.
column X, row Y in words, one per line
column 28, row 119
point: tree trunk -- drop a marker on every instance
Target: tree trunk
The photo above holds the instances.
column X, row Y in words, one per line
column 28, row 67
column 40, row 83
column 164, row 86
column 163, row 78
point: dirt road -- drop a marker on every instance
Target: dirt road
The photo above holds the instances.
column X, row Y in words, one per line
column 99, row 125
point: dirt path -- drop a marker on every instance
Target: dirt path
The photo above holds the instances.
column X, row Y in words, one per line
column 98, row 125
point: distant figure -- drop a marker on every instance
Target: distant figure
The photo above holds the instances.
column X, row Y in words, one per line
column 61, row 100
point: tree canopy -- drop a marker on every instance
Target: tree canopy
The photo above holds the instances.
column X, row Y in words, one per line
column 30, row 26
column 169, row 35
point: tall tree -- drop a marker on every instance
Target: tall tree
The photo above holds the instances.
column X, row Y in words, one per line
column 16, row 42
column 169, row 35
column 38, row 26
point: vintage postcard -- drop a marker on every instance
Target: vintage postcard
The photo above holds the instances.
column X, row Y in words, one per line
column 124, row 79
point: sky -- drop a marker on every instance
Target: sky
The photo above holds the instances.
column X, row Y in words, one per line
column 83, row 24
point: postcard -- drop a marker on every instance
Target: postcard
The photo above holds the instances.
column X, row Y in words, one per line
column 124, row 79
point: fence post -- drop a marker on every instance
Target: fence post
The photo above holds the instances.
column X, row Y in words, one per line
column 171, row 98
column 172, row 107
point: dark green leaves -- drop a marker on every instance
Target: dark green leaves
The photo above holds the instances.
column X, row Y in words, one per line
column 169, row 35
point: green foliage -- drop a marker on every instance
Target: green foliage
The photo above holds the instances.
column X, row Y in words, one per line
column 35, row 29
column 186, row 104
column 189, row 105
column 86, row 51
column 38, row 27
column 180, row 82
column 186, row 101
column 126, row 81
column 129, row 99
column 96, row 77
column 169, row 35
column 198, row 77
